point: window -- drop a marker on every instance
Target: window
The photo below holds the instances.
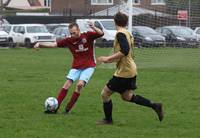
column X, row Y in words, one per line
column 22, row 29
column 56, row 31
column 109, row 25
column 47, row 3
column 36, row 29
column 59, row 31
column 7, row 28
column 19, row 29
column 98, row 25
column 198, row 31
column 158, row 2
column 166, row 32
column 136, row 2
column 101, row 2
column 16, row 29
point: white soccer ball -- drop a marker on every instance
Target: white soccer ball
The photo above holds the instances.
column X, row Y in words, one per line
column 51, row 104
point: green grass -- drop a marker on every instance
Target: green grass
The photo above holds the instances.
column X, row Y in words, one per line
column 167, row 75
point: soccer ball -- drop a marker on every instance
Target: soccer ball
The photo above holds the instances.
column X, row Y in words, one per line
column 51, row 104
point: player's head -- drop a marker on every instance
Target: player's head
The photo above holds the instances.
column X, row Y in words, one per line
column 74, row 30
column 121, row 19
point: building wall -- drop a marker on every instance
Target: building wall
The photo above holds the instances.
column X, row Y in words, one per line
column 77, row 7
column 147, row 5
column 42, row 2
column 84, row 7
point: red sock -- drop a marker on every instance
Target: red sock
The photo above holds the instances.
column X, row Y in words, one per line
column 61, row 96
column 72, row 101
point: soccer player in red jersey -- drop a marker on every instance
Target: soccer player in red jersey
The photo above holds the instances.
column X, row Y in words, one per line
column 83, row 65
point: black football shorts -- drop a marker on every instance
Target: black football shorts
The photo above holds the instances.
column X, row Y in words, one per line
column 120, row 85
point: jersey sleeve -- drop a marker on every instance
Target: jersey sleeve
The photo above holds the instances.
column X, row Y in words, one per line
column 63, row 43
column 123, row 42
column 94, row 35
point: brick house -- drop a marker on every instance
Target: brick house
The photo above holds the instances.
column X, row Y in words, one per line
column 84, row 7
column 77, row 7
column 81, row 7
column 158, row 5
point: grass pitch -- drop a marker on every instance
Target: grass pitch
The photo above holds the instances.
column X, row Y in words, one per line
column 167, row 75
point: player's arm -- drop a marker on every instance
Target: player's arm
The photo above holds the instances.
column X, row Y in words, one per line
column 95, row 29
column 111, row 58
column 45, row 45
column 124, row 46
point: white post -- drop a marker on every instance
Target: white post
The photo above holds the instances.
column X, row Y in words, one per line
column 50, row 4
column 1, row 5
column 189, row 12
column 130, row 13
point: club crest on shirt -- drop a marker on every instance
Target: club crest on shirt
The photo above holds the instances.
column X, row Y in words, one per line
column 81, row 48
column 84, row 40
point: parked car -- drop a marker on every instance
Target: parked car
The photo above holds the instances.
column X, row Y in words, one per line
column 7, row 28
column 106, row 25
column 3, row 22
column 61, row 33
column 197, row 33
column 147, row 37
column 178, row 36
column 29, row 34
column 52, row 27
column 4, row 38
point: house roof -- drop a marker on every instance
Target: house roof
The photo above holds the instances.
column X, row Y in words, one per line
column 20, row 3
column 25, row 4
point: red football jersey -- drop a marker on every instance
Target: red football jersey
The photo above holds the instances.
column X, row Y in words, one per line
column 82, row 49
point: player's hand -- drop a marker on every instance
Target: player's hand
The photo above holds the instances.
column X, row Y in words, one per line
column 103, row 59
column 91, row 24
column 36, row 46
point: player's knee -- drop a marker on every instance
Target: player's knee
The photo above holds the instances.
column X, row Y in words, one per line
column 104, row 96
column 80, row 86
column 67, row 85
column 125, row 98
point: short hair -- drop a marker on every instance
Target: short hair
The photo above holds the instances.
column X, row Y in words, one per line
column 71, row 25
column 121, row 19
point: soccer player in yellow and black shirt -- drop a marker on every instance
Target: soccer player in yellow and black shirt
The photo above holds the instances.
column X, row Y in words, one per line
column 124, row 78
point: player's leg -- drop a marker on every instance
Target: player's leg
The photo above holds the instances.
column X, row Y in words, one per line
column 107, row 106
column 63, row 92
column 85, row 76
column 72, row 76
column 129, row 84
column 130, row 97
column 112, row 86
column 75, row 95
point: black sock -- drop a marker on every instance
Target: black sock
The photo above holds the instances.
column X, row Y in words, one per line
column 107, row 107
column 142, row 101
